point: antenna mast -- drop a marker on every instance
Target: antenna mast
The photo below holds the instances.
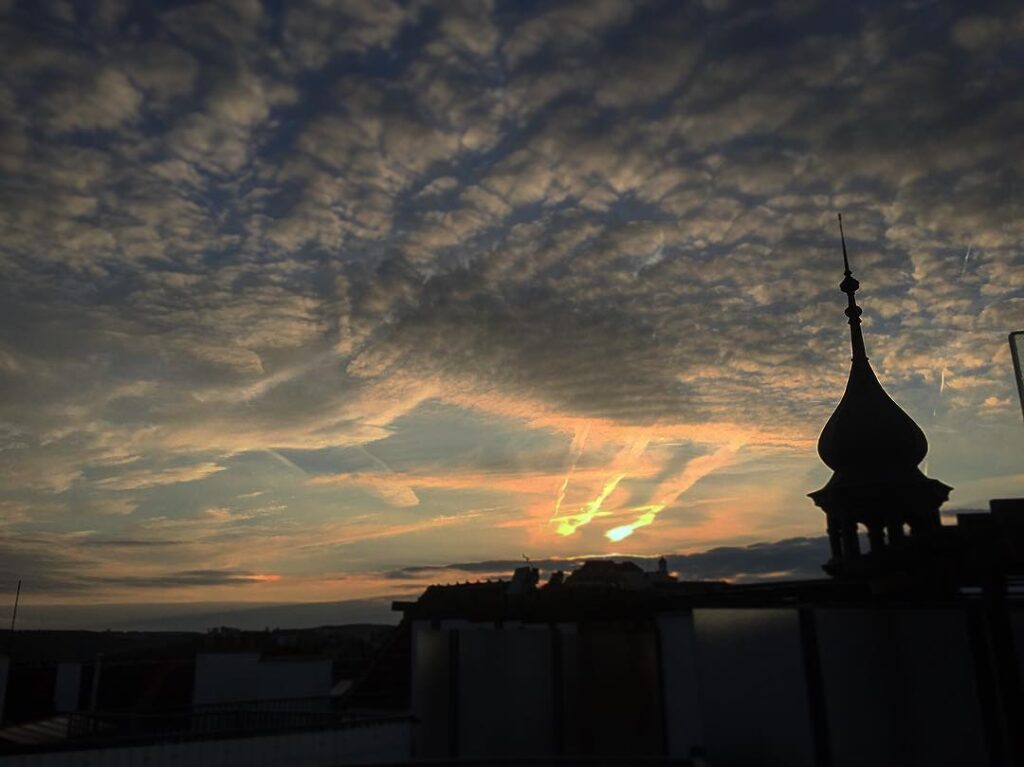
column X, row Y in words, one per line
column 14, row 614
column 1017, row 355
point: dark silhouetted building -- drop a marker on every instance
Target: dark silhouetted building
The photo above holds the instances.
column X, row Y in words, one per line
column 228, row 697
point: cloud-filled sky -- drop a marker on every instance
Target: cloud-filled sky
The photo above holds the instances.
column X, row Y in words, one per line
column 300, row 296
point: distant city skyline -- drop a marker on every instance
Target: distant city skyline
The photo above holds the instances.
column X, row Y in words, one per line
column 311, row 302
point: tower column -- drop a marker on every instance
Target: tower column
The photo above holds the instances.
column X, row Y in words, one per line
column 876, row 536
column 835, row 540
column 895, row 529
column 851, row 543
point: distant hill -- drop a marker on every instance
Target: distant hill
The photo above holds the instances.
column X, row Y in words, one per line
column 201, row 616
column 50, row 645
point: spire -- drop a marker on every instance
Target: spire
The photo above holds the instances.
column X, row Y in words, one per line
column 849, row 286
column 873, row 449
column 867, row 429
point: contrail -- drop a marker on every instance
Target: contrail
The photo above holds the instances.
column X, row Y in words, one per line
column 669, row 492
column 622, row 532
column 287, row 462
column 587, row 514
column 376, row 460
column 568, row 524
column 400, row 494
column 579, row 439
column 967, row 255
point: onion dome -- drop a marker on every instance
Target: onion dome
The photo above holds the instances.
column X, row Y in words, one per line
column 868, row 429
column 868, row 438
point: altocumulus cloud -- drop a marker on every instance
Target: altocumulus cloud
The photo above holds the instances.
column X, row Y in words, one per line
column 284, row 278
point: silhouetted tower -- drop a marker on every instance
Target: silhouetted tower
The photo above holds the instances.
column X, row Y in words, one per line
column 873, row 449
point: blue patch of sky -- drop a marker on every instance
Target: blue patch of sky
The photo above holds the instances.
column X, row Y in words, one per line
column 436, row 435
column 316, row 86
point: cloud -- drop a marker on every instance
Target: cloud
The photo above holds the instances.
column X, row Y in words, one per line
column 398, row 487
column 107, row 102
column 140, row 479
column 360, row 530
column 184, row 578
column 162, row 72
column 233, row 232
column 568, row 26
column 316, row 31
column 978, row 33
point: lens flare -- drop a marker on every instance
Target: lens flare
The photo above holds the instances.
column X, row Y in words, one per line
column 622, row 532
column 669, row 492
column 569, row 524
column 624, row 463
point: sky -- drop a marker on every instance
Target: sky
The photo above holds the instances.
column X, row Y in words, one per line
column 317, row 301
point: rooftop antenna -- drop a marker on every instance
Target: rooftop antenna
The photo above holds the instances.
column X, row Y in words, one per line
column 1017, row 355
column 14, row 614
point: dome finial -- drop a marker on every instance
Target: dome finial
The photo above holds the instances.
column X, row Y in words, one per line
column 849, row 286
column 842, row 237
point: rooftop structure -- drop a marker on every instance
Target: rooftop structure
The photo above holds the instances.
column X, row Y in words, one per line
column 874, row 449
